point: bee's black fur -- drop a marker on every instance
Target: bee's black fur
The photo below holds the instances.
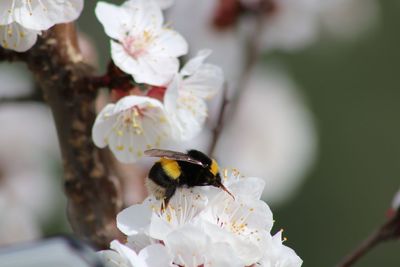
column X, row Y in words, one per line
column 191, row 175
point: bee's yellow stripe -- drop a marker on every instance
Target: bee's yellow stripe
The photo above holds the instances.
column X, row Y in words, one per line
column 214, row 167
column 171, row 168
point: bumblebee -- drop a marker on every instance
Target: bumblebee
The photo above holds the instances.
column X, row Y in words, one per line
column 176, row 169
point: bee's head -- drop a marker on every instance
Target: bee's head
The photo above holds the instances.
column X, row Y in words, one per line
column 210, row 164
column 213, row 177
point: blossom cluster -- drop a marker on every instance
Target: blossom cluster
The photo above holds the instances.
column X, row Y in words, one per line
column 202, row 226
column 22, row 21
column 167, row 103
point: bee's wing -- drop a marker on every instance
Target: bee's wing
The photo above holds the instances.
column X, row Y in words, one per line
column 160, row 153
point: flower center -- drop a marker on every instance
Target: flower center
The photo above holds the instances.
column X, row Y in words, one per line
column 137, row 46
column 131, row 119
column 27, row 4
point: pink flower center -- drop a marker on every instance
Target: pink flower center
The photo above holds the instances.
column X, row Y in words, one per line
column 137, row 46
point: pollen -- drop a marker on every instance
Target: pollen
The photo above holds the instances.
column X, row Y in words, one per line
column 120, row 133
column 120, row 148
column 168, row 217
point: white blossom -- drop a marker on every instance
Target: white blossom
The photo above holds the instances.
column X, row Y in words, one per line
column 131, row 126
column 244, row 222
column 138, row 123
column 204, row 226
column 21, row 21
column 185, row 96
column 142, row 46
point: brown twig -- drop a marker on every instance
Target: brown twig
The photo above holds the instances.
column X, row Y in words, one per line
column 113, row 78
column 93, row 194
column 388, row 231
column 220, row 121
column 252, row 53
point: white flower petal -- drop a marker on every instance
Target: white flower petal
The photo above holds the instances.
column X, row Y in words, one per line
column 112, row 259
column 188, row 245
column 16, row 37
column 250, row 186
column 5, row 12
column 43, row 14
column 155, row 256
column 194, row 64
column 396, row 201
column 169, row 43
column 248, row 252
column 139, row 241
column 135, row 219
column 205, row 82
column 151, row 69
column 280, row 255
column 186, row 112
column 146, row 15
column 156, row 70
column 222, row 254
column 182, row 209
column 130, row 256
column 113, row 18
column 104, row 122
column 240, row 215
column 124, row 61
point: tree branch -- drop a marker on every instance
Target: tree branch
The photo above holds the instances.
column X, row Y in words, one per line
column 252, row 53
column 94, row 197
column 388, row 231
column 220, row 121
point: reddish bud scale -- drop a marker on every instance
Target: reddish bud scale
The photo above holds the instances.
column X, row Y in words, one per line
column 226, row 14
column 157, row 92
column 118, row 93
column 390, row 213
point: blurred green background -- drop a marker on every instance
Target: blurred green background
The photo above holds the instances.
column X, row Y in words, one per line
column 353, row 90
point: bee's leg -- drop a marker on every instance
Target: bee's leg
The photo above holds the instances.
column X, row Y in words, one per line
column 169, row 192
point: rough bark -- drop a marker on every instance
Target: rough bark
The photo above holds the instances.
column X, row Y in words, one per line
column 94, row 196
